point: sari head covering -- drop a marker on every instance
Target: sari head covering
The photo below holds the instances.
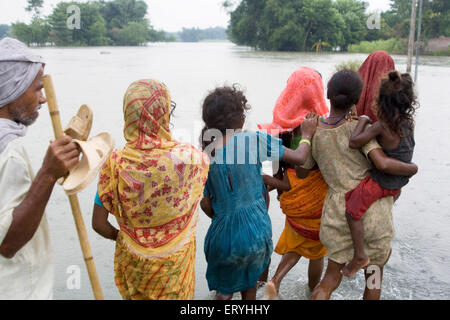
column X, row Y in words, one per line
column 371, row 71
column 303, row 94
column 153, row 187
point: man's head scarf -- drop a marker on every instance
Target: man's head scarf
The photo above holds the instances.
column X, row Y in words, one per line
column 19, row 67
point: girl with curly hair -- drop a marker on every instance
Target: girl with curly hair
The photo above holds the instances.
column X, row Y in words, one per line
column 394, row 132
column 238, row 244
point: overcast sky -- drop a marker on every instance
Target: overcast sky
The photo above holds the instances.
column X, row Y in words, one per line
column 167, row 15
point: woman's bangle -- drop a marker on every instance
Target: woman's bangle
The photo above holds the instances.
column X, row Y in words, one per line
column 305, row 141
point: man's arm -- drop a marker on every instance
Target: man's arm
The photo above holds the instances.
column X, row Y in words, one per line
column 62, row 155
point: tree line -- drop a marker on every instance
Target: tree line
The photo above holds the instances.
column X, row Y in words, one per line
column 197, row 34
column 101, row 23
column 316, row 25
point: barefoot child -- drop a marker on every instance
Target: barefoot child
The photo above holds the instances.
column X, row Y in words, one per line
column 238, row 244
column 301, row 198
column 394, row 132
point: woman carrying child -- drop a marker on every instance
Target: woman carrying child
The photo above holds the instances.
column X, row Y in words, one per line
column 238, row 244
column 343, row 169
column 301, row 199
column 394, row 132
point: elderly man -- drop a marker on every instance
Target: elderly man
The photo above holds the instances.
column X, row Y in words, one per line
column 26, row 268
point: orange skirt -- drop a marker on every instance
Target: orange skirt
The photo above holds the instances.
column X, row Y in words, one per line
column 302, row 206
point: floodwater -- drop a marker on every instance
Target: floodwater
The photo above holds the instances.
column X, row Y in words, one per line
column 98, row 77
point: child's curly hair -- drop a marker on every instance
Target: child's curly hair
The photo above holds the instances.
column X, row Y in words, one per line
column 397, row 101
column 223, row 108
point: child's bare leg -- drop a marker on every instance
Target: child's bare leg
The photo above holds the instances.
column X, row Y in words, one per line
column 288, row 260
column 249, row 294
column 263, row 277
column 315, row 269
column 220, row 296
column 329, row 283
column 360, row 258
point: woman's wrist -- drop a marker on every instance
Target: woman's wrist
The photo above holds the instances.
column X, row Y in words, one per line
column 306, row 137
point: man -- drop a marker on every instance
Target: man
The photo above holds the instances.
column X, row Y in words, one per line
column 26, row 268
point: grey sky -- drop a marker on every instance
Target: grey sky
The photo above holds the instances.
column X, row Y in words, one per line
column 168, row 15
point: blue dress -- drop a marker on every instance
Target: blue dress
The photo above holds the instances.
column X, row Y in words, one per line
column 238, row 244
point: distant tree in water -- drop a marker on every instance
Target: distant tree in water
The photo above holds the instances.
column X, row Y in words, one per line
column 196, row 34
column 435, row 23
column 116, row 22
column 303, row 25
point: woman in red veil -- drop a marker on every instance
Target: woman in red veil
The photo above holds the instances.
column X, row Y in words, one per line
column 377, row 64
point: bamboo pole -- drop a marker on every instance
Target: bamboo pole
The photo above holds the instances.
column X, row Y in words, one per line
column 412, row 29
column 73, row 199
column 418, row 45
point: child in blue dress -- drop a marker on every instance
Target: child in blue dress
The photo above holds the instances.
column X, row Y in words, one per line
column 238, row 244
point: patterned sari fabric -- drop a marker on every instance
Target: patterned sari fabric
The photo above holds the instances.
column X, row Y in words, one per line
column 302, row 206
column 377, row 64
column 153, row 187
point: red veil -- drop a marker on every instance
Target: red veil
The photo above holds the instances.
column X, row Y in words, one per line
column 372, row 70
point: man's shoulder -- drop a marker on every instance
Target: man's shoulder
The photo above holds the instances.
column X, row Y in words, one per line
column 15, row 150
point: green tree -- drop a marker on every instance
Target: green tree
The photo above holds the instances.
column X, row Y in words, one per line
column 35, row 6
column 119, row 13
column 39, row 29
column 435, row 21
column 353, row 13
column 115, row 22
column 34, row 34
column 293, row 25
column 285, row 30
column 134, row 34
column 92, row 32
column 22, row 32
column 244, row 22
column 60, row 34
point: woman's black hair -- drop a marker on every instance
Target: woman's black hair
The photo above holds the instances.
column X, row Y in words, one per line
column 397, row 101
column 344, row 89
column 223, row 108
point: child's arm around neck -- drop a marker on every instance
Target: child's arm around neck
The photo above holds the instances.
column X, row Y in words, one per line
column 361, row 137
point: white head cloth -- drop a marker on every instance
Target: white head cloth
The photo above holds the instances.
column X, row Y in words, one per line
column 19, row 66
